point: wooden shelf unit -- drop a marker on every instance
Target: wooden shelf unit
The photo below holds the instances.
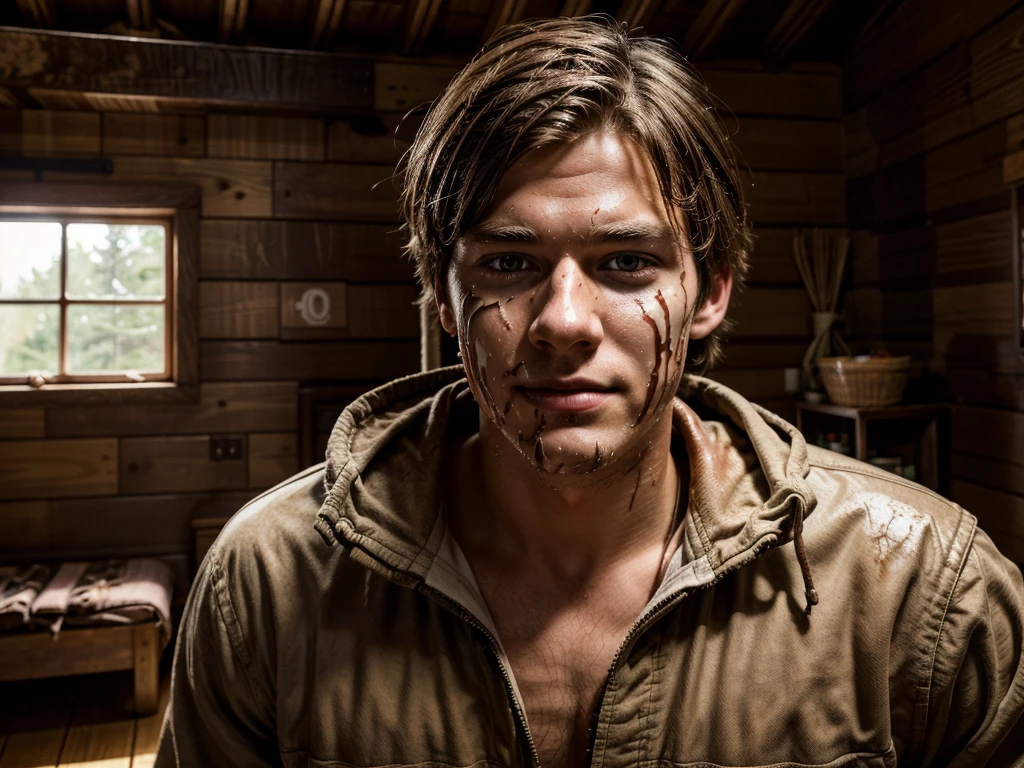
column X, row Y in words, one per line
column 925, row 415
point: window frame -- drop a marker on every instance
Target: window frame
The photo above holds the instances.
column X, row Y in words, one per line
column 176, row 206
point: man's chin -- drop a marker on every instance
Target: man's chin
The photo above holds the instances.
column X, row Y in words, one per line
column 579, row 450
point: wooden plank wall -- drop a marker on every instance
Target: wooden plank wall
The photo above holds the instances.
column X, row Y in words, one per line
column 786, row 126
column 293, row 203
column 933, row 100
column 289, row 205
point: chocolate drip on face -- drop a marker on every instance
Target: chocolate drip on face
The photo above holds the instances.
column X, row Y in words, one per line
column 536, row 433
column 598, row 458
column 514, row 369
column 469, row 355
column 538, row 452
column 652, row 385
column 504, row 318
column 639, row 472
column 684, row 334
column 508, row 407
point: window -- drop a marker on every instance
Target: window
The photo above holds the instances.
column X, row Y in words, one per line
column 98, row 287
column 84, row 300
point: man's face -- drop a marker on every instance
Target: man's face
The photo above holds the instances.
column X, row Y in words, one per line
column 573, row 304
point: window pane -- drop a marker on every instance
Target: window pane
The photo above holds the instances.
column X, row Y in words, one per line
column 29, row 260
column 29, row 336
column 116, row 261
column 112, row 338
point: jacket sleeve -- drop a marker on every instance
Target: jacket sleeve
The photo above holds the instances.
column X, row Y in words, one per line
column 219, row 713
column 974, row 701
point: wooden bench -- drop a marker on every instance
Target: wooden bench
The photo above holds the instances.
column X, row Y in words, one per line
column 85, row 650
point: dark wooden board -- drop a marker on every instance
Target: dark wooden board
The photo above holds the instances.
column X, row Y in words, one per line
column 118, row 65
column 126, row 133
column 303, row 250
column 173, row 464
column 230, row 406
column 307, row 361
column 39, row 469
column 342, row 191
column 238, row 310
column 989, row 433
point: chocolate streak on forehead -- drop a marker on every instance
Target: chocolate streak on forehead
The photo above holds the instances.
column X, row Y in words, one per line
column 469, row 352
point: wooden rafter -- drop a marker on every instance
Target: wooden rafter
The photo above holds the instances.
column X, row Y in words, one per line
column 102, row 65
column 419, row 20
column 231, row 20
column 796, row 22
column 502, row 13
column 637, row 13
column 710, row 27
column 576, row 7
column 326, row 23
column 39, row 13
column 140, row 14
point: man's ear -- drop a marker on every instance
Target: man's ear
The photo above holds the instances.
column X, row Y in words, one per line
column 712, row 312
column 444, row 309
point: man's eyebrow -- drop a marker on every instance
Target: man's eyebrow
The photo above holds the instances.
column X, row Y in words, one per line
column 612, row 232
column 622, row 231
column 503, row 233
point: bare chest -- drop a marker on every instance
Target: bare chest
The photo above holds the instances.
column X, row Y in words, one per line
column 560, row 660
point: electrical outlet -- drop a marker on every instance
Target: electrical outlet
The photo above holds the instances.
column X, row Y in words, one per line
column 226, row 448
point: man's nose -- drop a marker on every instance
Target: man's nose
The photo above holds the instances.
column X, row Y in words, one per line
column 567, row 314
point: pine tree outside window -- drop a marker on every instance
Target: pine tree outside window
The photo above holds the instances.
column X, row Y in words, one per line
column 84, row 299
column 98, row 293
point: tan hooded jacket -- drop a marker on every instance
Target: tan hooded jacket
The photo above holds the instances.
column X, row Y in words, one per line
column 336, row 623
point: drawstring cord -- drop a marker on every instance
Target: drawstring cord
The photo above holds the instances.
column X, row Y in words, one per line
column 801, row 556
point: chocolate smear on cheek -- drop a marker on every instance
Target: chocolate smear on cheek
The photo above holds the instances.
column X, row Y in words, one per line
column 652, row 385
column 469, row 354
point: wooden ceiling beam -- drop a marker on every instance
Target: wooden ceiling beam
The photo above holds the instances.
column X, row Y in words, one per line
column 793, row 26
column 103, row 65
column 419, row 20
column 710, row 27
column 140, row 14
column 232, row 15
column 326, row 23
column 576, row 7
column 39, row 13
column 502, row 13
column 637, row 13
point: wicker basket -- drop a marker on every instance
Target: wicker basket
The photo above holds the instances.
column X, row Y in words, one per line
column 864, row 383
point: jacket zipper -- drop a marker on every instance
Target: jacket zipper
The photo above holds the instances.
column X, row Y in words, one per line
column 462, row 613
column 650, row 617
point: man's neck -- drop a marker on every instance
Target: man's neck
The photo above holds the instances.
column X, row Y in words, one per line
column 569, row 530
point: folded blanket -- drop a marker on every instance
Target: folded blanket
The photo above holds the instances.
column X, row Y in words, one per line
column 19, row 588
column 87, row 595
column 123, row 592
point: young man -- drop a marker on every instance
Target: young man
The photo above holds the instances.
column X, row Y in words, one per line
column 567, row 551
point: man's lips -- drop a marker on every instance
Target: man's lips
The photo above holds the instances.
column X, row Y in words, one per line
column 566, row 395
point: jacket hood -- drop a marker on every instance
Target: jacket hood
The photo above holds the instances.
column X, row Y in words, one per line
column 748, row 469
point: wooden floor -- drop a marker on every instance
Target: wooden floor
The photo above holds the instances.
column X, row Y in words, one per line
column 77, row 721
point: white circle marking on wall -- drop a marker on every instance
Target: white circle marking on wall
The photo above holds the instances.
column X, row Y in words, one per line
column 314, row 306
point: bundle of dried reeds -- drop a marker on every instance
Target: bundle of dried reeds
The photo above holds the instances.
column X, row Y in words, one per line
column 821, row 270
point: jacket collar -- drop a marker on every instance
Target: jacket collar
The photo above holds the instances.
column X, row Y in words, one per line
column 748, row 470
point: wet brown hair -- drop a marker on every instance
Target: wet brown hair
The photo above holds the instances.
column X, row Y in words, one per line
column 554, row 80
